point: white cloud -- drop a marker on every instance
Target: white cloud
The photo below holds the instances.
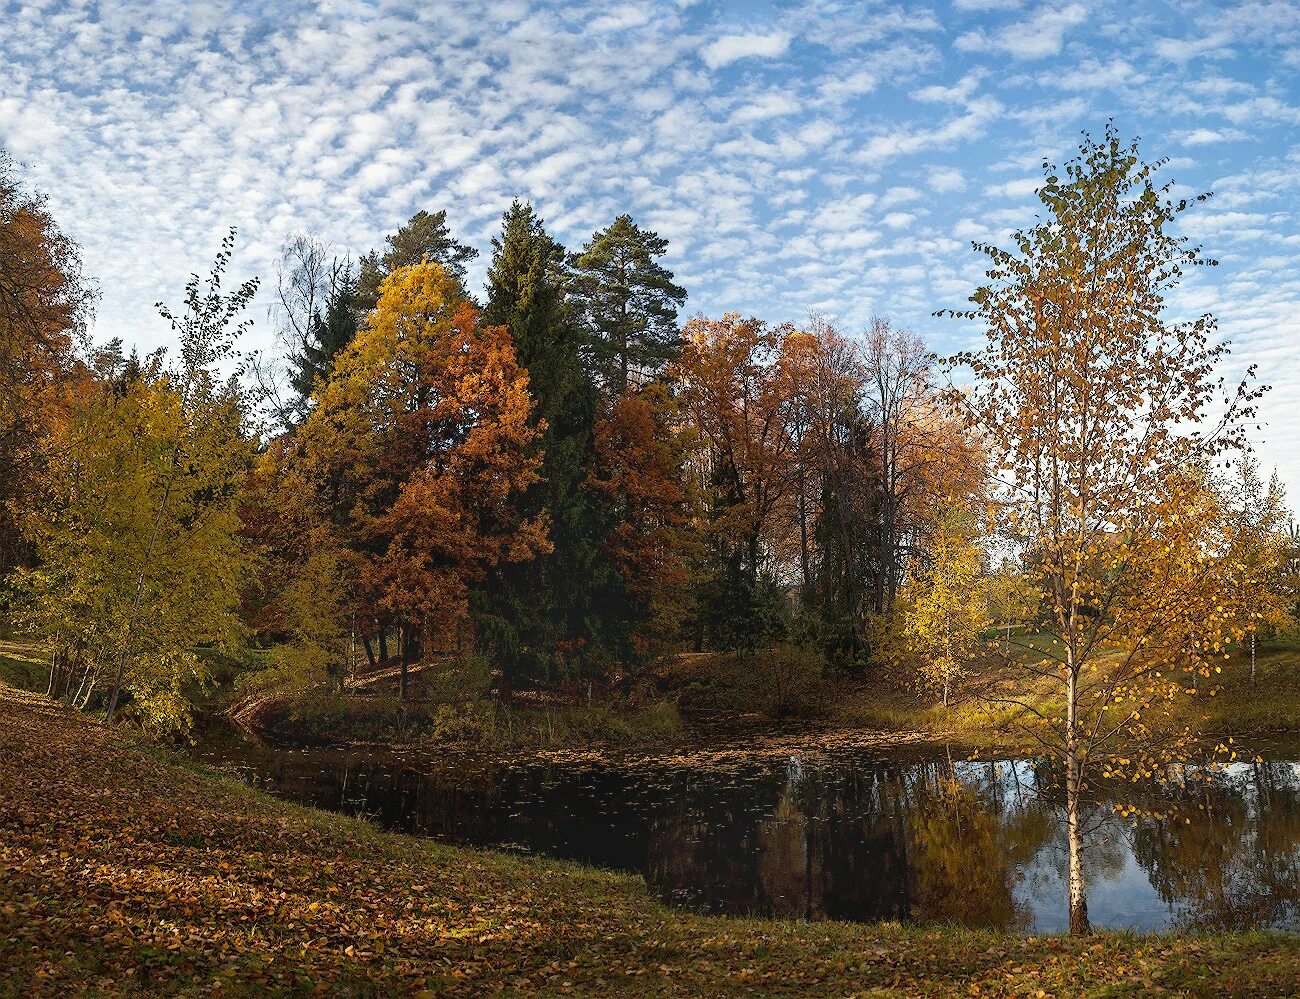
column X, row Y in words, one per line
column 1207, row 136
column 1033, row 38
column 959, row 93
column 945, row 180
column 902, row 142
column 730, row 48
column 770, row 105
column 838, row 156
column 1017, row 189
column 1094, row 75
column 1182, row 50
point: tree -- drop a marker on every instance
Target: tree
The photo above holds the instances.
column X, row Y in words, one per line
column 944, row 606
column 139, row 561
column 627, row 302
column 425, row 237
column 208, row 328
column 296, row 595
column 530, row 609
column 317, row 312
column 45, row 307
column 1098, row 415
column 737, row 387
column 922, row 459
column 833, row 516
column 1259, row 517
column 641, row 446
column 420, row 446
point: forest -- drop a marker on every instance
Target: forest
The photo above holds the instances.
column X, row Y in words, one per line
column 561, row 513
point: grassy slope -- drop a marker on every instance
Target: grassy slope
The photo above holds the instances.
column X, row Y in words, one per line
column 1270, row 705
column 124, row 872
column 20, row 666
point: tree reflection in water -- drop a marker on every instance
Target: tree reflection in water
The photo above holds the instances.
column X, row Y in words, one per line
column 1229, row 856
column 853, row 837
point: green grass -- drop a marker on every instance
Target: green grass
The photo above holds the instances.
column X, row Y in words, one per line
column 1269, row 705
column 21, row 666
column 318, row 716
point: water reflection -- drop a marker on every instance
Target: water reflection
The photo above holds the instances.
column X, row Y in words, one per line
column 861, row 838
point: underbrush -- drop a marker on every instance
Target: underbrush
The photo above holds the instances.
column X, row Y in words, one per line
column 785, row 682
column 319, row 716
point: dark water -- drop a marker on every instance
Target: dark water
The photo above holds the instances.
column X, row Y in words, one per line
column 861, row 837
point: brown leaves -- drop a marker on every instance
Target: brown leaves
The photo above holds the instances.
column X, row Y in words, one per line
column 419, row 446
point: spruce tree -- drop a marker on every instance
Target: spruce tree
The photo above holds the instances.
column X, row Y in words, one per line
column 627, row 302
column 530, row 610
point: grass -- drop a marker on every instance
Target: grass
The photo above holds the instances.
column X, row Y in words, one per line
column 21, row 666
column 1268, row 706
column 124, row 870
column 380, row 716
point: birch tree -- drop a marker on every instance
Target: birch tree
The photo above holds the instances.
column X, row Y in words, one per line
column 1104, row 422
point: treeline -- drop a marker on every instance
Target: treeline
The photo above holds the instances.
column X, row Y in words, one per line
column 558, row 478
column 556, row 475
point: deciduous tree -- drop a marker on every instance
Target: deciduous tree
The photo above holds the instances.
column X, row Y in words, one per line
column 1099, row 414
column 421, row 445
column 944, row 605
column 45, row 305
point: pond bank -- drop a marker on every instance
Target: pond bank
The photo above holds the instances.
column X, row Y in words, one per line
column 126, row 872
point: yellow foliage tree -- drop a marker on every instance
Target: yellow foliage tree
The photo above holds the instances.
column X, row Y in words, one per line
column 1098, row 415
column 136, row 530
column 127, row 583
column 945, row 606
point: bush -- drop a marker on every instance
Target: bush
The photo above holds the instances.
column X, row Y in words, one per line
column 465, row 679
column 779, row 682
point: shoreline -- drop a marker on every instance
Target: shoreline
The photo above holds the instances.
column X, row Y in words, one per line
column 120, row 879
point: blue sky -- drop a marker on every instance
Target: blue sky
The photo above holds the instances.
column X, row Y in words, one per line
column 807, row 156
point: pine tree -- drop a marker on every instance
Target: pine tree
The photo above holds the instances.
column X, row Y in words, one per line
column 424, row 237
column 529, row 610
column 627, row 302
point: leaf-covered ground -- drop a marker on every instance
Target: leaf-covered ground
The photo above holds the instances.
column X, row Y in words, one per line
column 122, row 872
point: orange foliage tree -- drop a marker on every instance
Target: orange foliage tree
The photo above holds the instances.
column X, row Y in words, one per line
column 737, row 382
column 45, row 305
column 420, row 446
column 641, row 445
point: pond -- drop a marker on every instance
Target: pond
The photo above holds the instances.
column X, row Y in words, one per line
column 907, row 835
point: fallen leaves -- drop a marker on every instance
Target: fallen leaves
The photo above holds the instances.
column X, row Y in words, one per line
column 125, row 873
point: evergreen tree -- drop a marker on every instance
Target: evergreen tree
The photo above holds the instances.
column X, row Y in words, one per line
column 530, row 610
column 627, row 302
column 424, row 237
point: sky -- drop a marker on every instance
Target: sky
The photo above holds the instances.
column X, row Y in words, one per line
column 811, row 156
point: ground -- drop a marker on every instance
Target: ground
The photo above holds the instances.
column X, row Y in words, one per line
column 127, row 871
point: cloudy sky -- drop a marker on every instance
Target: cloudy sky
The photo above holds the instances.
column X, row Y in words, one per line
column 813, row 155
